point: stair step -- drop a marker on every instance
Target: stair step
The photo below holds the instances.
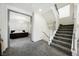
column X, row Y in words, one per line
column 64, row 35
column 67, row 25
column 62, row 48
column 65, row 44
column 65, row 29
column 65, row 32
column 63, row 39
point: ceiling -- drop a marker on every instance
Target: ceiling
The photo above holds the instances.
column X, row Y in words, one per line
column 30, row 7
column 60, row 5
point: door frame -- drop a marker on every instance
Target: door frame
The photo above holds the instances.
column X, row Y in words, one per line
column 8, row 17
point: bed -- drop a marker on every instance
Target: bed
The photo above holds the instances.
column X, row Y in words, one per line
column 14, row 34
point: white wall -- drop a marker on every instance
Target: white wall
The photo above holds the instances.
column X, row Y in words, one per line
column 77, row 21
column 0, row 16
column 76, row 30
column 19, row 22
column 67, row 20
column 39, row 26
column 4, row 22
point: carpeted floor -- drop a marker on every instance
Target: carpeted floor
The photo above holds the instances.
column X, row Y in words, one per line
column 19, row 42
column 25, row 47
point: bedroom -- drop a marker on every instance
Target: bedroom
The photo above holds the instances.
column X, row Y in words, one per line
column 19, row 28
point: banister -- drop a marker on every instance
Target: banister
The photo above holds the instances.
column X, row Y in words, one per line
column 74, row 42
column 45, row 34
column 56, row 8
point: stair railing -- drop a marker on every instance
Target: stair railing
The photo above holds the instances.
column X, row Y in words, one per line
column 46, row 35
column 56, row 8
column 75, row 35
column 74, row 42
column 56, row 24
column 52, row 36
column 74, row 39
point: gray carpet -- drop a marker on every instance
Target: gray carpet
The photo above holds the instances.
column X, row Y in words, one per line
column 40, row 48
column 19, row 42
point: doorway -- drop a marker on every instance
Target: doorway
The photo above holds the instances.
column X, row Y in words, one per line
column 19, row 28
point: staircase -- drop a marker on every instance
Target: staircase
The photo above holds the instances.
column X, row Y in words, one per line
column 63, row 39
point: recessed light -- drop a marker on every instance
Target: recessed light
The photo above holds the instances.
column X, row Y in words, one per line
column 40, row 10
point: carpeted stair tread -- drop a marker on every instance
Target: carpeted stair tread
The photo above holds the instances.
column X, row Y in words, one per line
column 67, row 25
column 65, row 29
column 64, row 32
column 62, row 43
column 58, row 41
column 61, row 47
column 63, row 38
column 64, row 35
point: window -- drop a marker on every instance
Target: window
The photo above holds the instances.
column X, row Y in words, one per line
column 64, row 11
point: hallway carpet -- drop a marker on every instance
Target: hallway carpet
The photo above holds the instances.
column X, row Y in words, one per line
column 40, row 48
column 19, row 42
